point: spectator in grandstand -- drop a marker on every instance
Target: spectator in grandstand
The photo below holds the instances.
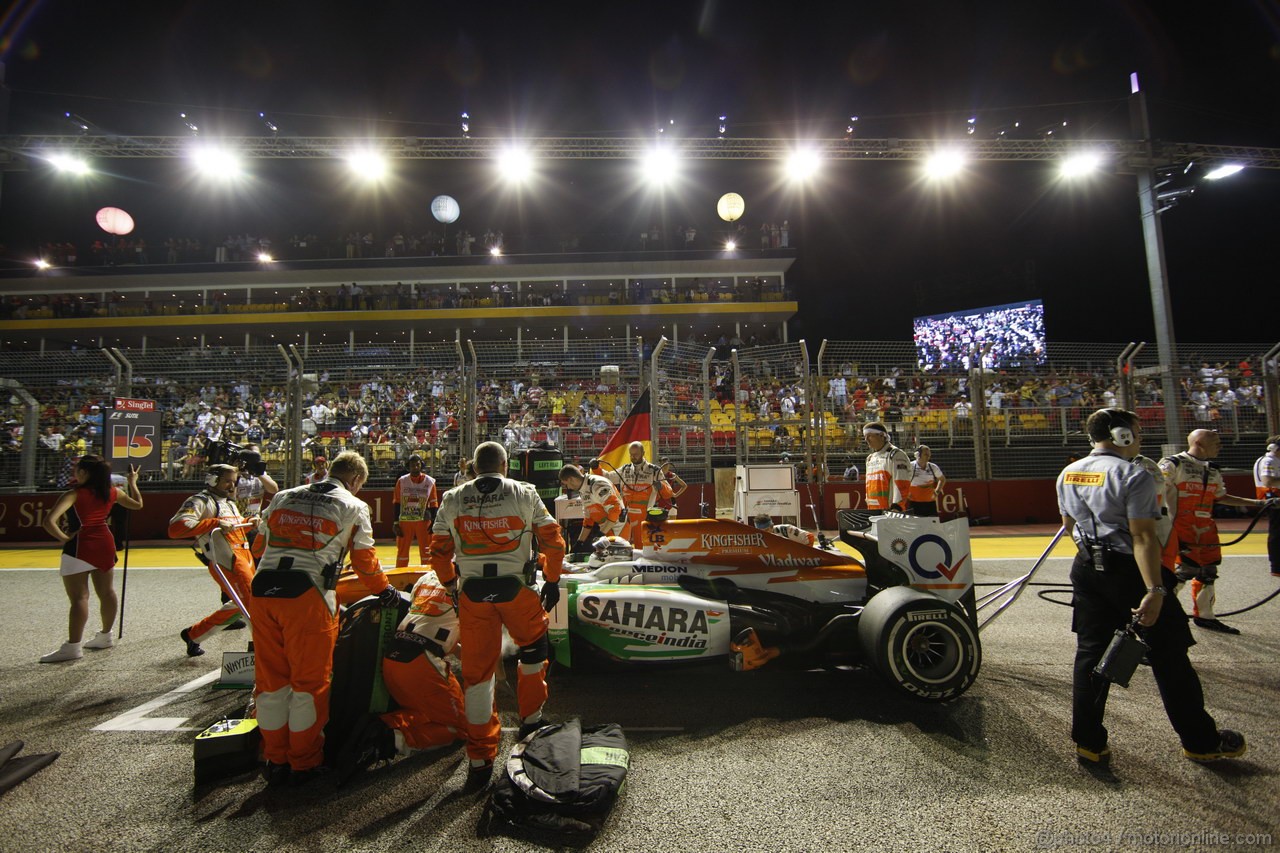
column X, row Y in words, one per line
column 319, row 470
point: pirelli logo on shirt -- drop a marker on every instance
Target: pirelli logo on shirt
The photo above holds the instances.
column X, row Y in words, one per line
column 1084, row 478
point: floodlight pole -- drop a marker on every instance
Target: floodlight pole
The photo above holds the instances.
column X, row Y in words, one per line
column 1157, row 270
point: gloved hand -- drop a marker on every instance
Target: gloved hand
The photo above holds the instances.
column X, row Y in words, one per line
column 550, row 595
column 593, row 464
column 389, row 597
column 451, row 587
column 395, row 529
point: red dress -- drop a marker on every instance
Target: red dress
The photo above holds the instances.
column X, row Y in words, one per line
column 91, row 545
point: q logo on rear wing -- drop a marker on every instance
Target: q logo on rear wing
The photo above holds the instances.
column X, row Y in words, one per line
column 935, row 555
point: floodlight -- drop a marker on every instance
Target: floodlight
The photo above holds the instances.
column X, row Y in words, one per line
column 190, row 125
column 660, row 166
column 515, row 164
column 369, row 165
column 802, row 164
column 1224, row 171
column 944, row 164
column 42, row 264
column 68, row 163
column 730, row 246
column 1078, row 165
column 264, row 258
column 495, row 251
column 216, row 162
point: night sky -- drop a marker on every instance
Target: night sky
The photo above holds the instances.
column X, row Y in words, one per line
column 876, row 244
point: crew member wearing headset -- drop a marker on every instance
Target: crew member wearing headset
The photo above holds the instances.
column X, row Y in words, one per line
column 927, row 481
column 309, row 532
column 200, row 515
column 602, row 510
column 641, row 484
column 888, row 471
column 1266, row 483
column 488, row 526
column 414, row 503
column 1197, row 486
column 1110, row 508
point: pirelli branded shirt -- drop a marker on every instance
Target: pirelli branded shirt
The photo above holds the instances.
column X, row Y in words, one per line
column 888, row 477
column 491, row 521
column 1164, row 496
column 313, row 528
column 1101, row 492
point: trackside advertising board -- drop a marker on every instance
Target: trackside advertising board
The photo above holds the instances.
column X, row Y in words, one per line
column 131, row 434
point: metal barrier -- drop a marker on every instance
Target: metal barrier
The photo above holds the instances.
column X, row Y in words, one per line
column 752, row 404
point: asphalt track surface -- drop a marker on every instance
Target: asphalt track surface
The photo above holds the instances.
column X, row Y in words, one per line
column 769, row 760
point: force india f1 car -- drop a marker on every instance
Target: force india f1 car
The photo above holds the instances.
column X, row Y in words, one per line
column 705, row 590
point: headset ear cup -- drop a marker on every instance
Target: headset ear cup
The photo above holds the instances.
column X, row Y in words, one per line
column 1122, row 436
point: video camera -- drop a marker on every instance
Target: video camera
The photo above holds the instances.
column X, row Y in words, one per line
column 226, row 452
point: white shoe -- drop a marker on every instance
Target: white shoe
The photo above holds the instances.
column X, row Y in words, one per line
column 101, row 640
column 69, row 651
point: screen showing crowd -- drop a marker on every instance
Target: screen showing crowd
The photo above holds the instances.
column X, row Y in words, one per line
column 1015, row 333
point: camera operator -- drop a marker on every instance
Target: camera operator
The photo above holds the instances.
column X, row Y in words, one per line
column 1109, row 505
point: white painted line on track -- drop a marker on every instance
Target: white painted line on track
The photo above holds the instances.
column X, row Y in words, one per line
column 137, row 720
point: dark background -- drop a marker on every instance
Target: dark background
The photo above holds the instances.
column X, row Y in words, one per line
column 876, row 244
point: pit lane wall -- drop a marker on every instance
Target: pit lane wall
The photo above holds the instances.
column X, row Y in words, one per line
column 983, row 501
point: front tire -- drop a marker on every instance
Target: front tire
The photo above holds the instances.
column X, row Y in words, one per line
column 922, row 645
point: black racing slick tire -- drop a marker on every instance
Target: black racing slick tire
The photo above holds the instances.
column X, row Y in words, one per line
column 922, row 645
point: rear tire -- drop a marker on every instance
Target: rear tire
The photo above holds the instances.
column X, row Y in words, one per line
column 922, row 645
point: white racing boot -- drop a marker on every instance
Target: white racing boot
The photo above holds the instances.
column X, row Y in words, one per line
column 69, row 651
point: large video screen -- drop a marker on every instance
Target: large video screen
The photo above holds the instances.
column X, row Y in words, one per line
column 1015, row 332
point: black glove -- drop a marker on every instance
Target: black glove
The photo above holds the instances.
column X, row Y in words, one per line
column 390, row 597
column 550, row 595
column 594, row 463
column 452, row 588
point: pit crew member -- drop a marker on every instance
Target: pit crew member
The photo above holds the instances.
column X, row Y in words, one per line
column 927, row 481
column 488, row 525
column 602, row 510
column 418, row 676
column 1197, row 486
column 641, row 484
column 1266, row 483
column 200, row 515
column 308, row 531
column 888, row 471
column 1110, row 508
column 414, row 504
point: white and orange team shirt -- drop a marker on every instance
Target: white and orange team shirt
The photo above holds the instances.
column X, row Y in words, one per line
column 309, row 527
column 1164, row 524
column 201, row 514
column 1196, row 483
column 888, row 477
column 924, row 480
column 415, row 497
column 640, row 486
column 492, row 521
column 433, row 616
column 1266, row 466
column 601, row 504
column 249, row 494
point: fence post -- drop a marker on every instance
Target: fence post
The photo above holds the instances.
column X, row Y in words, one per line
column 1271, row 388
column 977, row 416
column 706, row 412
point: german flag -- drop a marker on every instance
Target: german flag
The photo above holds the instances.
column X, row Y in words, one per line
column 635, row 427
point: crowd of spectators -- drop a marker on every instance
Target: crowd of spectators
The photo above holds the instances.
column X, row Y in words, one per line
column 1013, row 336
column 390, row 414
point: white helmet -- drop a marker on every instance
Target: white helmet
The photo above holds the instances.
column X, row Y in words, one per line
column 610, row 549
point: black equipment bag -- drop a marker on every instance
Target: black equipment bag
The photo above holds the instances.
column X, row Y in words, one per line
column 563, row 779
column 365, row 632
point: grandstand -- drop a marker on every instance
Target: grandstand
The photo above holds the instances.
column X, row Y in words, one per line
column 449, row 353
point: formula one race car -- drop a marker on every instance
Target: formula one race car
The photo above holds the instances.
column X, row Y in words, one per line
column 705, row 589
